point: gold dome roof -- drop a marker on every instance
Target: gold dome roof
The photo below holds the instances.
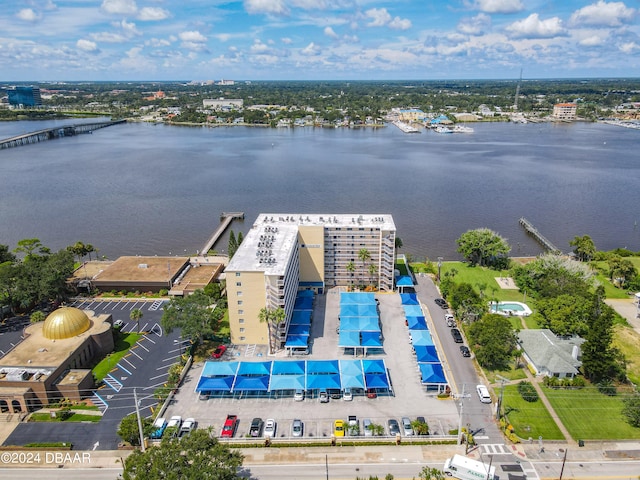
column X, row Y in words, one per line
column 65, row 322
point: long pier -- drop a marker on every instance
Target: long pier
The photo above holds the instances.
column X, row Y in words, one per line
column 541, row 239
column 225, row 220
column 57, row 132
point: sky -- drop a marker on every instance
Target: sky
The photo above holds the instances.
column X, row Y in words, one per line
column 106, row 40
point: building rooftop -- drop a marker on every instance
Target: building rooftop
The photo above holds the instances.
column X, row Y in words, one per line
column 548, row 351
column 267, row 246
column 142, row 269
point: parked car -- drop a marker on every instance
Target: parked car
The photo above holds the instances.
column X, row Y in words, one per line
column 347, row 396
column 219, row 351
column 394, row 428
column 118, row 323
column 158, row 428
column 229, row 427
column 423, row 429
column 335, row 394
column 298, row 395
column 255, row 430
column 442, row 303
column 323, row 396
column 366, row 426
column 483, row 394
column 407, row 429
column 270, row 428
column 297, row 428
column 457, row 336
column 371, row 393
column 338, row 428
column 173, row 427
column 451, row 322
column 464, row 350
column 187, row 427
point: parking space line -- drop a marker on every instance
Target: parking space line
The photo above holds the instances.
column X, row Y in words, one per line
column 115, row 305
column 125, row 359
column 159, row 376
column 125, row 305
column 167, row 360
column 134, row 353
column 140, row 345
column 144, row 327
column 147, row 338
column 122, row 368
column 153, row 386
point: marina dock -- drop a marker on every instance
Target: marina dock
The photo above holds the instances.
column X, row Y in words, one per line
column 225, row 220
column 541, row 239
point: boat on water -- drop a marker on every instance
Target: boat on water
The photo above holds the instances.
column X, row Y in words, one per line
column 442, row 129
column 462, row 129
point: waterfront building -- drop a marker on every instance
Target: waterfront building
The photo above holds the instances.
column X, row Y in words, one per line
column 282, row 254
column 565, row 111
column 223, row 103
column 24, row 96
column 411, row 115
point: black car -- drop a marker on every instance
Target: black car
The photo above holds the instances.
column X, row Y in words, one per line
column 440, row 301
column 256, row 427
column 464, row 350
column 394, row 428
column 457, row 336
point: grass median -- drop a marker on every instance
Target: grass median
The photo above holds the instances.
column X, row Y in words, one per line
column 122, row 345
column 529, row 419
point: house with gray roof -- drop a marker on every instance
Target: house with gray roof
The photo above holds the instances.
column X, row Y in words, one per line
column 551, row 355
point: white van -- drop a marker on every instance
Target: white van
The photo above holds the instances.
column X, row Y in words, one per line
column 466, row 468
column 483, row 393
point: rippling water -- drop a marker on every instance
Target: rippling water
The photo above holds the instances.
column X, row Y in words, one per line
column 155, row 189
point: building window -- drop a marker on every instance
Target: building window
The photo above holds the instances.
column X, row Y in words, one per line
column 241, row 330
column 239, row 302
column 241, row 320
column 238, row 284
column 240, row 312
column 239, row 293
column 237, row 274
column 242, row 339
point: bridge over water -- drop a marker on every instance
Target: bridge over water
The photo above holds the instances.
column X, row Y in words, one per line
column 56, row 132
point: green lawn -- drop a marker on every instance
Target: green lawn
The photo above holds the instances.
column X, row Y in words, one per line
column 628, row 341
column 529, row 419
column 590, row 415
column 481, row 276
column 514, row 374
column 123, row 344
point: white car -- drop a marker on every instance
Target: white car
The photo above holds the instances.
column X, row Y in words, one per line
column 406, row 427
column 118, row 323
column 298, row 396
column 270, row 427
column 366, row 426
column 347, row 395
column 483, row 393
column 187, row 426
column 175, row 421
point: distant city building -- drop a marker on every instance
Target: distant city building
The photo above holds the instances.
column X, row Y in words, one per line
column 223, row 103
column 565, row 111
column 24, row 96
column 226, row 82
column 282, row 254
column 411, row 115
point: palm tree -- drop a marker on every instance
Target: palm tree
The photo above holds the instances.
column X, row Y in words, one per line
column 363, row 255
column 373, row 269
column 351, row 267
column 136, row 314
column 273, row 318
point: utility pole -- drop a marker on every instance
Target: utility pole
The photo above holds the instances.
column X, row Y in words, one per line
column 135, row 398
column 564, row 459
column 460, row 419
column 503, row 381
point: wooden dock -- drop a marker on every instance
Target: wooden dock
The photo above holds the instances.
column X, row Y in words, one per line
column 541, row 239
column 225, row 220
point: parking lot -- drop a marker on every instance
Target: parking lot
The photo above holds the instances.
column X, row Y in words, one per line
column 409, row 398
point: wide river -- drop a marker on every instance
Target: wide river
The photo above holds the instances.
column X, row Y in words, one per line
column 154, row 189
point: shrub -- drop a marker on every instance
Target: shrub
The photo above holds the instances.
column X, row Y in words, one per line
column 527, row 392
column 163, row 292
column 578, row 382
column 607, row 388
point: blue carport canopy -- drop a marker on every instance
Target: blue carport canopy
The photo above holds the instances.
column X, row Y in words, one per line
column 299, row 330
column 215, row 384
column 370, row 339
column 305, row 293
column 251, row 384
column 376, row 380
column 254, row 368
column 322, row 366
column 317, row 382
column 367, row 324
column 409, row 299
column 374, row 366
column 358, row 298
column 354, row 310
column 301, row 317
column 426, row 354
column 421, row 337
column 288, row 368
column 287, row 382
column 303, row 303
column 404, row 281
column 432, row 373
column 412, row 311
column 297, row 341
column 417, row 323
column 349, row 338
column 219, row 369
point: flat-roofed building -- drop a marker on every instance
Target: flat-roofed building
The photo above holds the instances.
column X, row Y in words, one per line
column 282, row 254
column 25, row 96
column 223, row 103
column 565, row 111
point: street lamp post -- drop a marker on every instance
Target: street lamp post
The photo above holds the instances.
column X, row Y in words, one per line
column 439, row 268
column 564, row 459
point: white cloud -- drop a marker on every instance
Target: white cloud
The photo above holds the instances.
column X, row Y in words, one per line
column 109, row 37
column 533, row 27
column 87, row 45
column 28, row 15
column 286, row 41
column 475, row 25
column 603, row 14
column 328, row 31
column 499, row 6
column 310, row 50
column 592, row 41
column 192, row 36
column 129, row 28
column 379, row 17
column 400, row 23
column 629, row 47
column 259, row 47
column 157, row 42
column 277, row 7
column 147, row 14
column 120, row 7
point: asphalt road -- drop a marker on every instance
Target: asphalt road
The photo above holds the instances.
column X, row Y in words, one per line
column 144, row 369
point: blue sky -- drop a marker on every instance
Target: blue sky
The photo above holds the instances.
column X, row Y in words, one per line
column 317, row 39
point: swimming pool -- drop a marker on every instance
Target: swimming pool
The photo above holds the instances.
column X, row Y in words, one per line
column 510, row 308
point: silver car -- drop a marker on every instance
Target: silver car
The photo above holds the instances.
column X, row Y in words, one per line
column 406, row 427
column 297, row 428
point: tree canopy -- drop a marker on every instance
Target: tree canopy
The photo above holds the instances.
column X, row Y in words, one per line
column 564, row 314
column 128, row 429
column 483, row 247
column 494, row 341
column 194, row 314
column 273, row 317
column 197, row 456
column 551, row 276
column 583, row 247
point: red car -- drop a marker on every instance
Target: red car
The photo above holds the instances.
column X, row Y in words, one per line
column 230, row 424
column 219, row 351
column 371, row 393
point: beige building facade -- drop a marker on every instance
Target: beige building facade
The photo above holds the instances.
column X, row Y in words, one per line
column 282, row 254
column 565, row 111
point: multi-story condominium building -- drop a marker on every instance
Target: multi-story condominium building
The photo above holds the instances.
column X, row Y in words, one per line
column 25, row 96
column 284, row 253
column 565, row 111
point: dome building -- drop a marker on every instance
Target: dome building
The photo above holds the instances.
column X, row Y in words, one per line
column 54, row 359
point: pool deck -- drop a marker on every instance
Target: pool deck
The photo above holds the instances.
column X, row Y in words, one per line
column 506, row 283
